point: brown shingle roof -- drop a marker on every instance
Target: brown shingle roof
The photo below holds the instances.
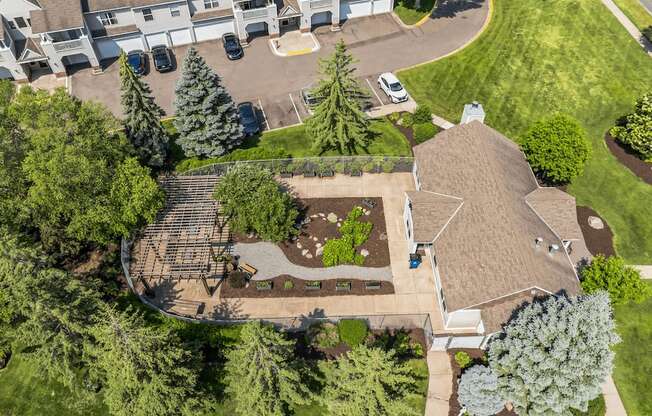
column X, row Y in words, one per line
column 497, row 313
column 488, row 249
column 56, row 15
column 115, row 30
column 431, row 213
column 211, row 14
column 101, row 5
column 558, row 210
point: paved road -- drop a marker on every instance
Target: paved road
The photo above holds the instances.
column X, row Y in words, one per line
column 378, row 42
column 647, row 4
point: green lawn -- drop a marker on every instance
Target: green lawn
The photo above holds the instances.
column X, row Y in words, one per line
column 636, row 12
column 23, row 392
column 633, row 372
column 409, row 14
column 539, row 57
column 387, row 141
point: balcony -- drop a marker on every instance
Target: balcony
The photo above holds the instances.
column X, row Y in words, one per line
column 317, row 4
column 68, row 45
column 254, row 13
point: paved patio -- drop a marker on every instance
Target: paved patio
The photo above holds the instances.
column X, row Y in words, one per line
column 414, row 288
column 294, row 43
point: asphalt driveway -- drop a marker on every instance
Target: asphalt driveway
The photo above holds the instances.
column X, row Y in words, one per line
column 273, row 83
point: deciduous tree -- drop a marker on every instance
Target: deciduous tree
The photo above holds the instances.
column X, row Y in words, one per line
column 338, row 121
column 478, row 392
column 368, row 382
column 142, row 117
column 206, row 117
column 555, row 355
column 556, row 148
column 261, row 373
column 253, row 201
column 636, row 128
column 622, row 282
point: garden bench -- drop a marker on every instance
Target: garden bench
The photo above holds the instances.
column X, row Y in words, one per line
column 186, row 307
column 247, row 268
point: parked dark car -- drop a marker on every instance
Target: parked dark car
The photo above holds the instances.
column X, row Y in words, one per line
column 162, row 58
column 248, row 119
column 232, row 46
column 138, row 61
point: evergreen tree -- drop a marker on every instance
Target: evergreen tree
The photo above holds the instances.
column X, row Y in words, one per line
column 144, row 369
column 368, row 382
column 338, row 121
column 142, row 120
column 261, row 374
column 555, row 355
column 206, row 117
column 478, row 392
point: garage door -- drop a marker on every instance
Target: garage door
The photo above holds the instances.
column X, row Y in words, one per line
column 349, row 10
column 5, row 73
column 214, row 30
column 256, row 27
column 111, row 48
column 157, row 39
column 321, row 18
column 382, row 6
column 180, row 37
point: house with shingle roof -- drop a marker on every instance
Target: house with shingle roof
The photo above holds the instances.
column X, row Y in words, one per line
column 496, row 238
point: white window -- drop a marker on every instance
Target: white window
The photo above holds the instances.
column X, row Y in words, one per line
column 210, row 4
column 174, row 11
column 147, row 15
column 108, row 19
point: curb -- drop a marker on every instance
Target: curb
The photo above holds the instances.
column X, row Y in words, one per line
column 423, row 20
column 298, row 52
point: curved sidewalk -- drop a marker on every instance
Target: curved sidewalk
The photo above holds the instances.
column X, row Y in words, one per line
column 270, row 261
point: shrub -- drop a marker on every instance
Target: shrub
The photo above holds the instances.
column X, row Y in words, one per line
column 394, row 117
column 343, row 285
column 288, row 284
column 313, row 285
column 340, row 167
column 254, row 201
column 237, row 279
column 323, row 334
column 264, row 285
column 635, row 130
column 352, row 332
column 463, row 359
column 424, row 131
column 407, row 120
column 358, row 230
column 422, row 115
column 623, row 282
column 479, row 392
column 556, row 148
column 647, row 32
column 354, row 233
column 417, row 350
column 368, row 167
column 387, row 166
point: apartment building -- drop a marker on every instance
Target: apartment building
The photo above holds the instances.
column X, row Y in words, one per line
column 51, row 35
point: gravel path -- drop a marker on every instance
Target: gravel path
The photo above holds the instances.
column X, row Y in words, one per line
column 271, row 262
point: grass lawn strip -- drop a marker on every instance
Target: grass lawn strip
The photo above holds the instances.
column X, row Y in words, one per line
column 409, row 15
column 633, row 370
column 636, row 13
column 537, row 58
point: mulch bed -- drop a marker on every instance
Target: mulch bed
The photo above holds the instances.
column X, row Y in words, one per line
column 299, row 291
column 597, row 241
column 324, row 230
column 453, row 405
column 629, row 158
column 407, row 132
column 310, row 352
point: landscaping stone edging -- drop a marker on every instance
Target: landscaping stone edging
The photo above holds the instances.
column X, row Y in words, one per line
column 270, row 261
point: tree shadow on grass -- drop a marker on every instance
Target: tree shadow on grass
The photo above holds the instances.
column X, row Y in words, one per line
column 451, row 8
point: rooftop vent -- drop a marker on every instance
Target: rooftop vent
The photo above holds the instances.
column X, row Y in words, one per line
column 538, row 241
column 553, row 248
column 472, row 112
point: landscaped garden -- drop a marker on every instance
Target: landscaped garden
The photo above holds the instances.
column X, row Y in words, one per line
column 538, row 58
column 413, row 11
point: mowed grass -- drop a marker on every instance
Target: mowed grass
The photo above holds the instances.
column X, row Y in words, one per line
column 633, row 372
column 636, row 12
column 541, row 57
column 24, row 392
column 409, row 14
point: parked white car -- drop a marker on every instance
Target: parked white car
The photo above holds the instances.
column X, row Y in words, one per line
column 392, row 87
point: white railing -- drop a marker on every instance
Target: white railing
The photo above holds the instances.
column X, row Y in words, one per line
column 316, row 4
column 68, row 45
column 254, row 13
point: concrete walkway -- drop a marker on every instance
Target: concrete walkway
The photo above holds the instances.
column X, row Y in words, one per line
column 270, row 261
column 628, row 25
column 612, row 399
column 439, row 383
column 646, row 271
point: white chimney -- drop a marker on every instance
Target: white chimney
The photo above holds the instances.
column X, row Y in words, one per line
column 553, row 249
column 472, row 112
column 538, row 241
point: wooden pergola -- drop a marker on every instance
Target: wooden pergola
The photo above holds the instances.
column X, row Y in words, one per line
column 187, row 237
